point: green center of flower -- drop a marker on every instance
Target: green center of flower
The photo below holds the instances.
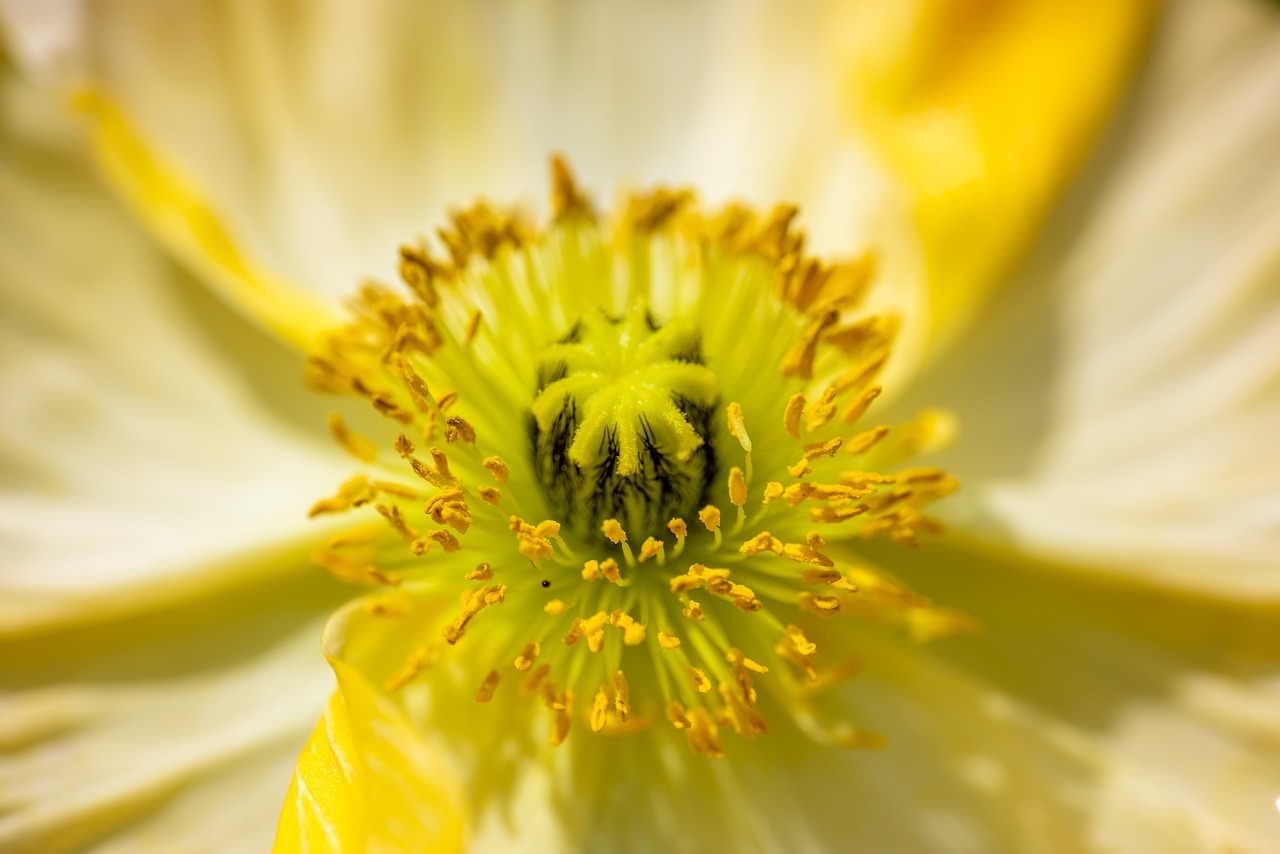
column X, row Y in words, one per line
column 653, row 549
column 622, row 423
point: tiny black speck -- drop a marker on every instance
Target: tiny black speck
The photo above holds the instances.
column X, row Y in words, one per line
column 546, row 582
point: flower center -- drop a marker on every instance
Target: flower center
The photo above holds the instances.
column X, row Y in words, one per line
column 622, row 423
column 655, row 542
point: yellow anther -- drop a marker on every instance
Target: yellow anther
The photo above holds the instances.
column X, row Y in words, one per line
column 524, row 661
column 593, row 630
column 795, row 639
column 761, row 542
column 487, row 687
column 490, row 495
column 600, row 709
column 416, row 386
column 694, row 612
column 858, row 407
column 736, row 658
column 698, row 679
column 353, row 443
column 483, row 572
column 458, row 429
column 864, row 442
column 496, row 467
column 823, row 606
column 358, row 536
column 737, row 487
column 675, row 714
column 821, row 576
column 388, row 487
column 473, row 326
column 387, row 406
column 650, row 548
column 395, row 517
column 441, row 462
column 633, row 633
column 352, row 569
column 431, row 475
column 773, row 491
column 612, row 529
column 475, row 603
column 814, row 539
column 403, row 446
column 791, row 416
column 668, row 641
column 710, row 517
column 804, row 554
column 560, row 726
column 555, row 608
column 534, row 542
column 819, row 413
column 353, row 493
column 591, row 570
column 798, row 492
column 800, row 469
column 449, row 507
column 448, row 542
column 703, row 736
column 799, row 359
column 567, row 200
column 609, row 569
column 737, row 428
column 822, row 449
column 621, row 697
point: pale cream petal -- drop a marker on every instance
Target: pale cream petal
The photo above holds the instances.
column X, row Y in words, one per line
column 1177, row 698
column 176, row 730
column 142, row 455
column 286, row 167
column 1120, row 405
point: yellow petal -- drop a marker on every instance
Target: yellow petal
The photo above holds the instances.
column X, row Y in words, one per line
column 184, row 223
column 366, row 781
column 985, row 108
column 1131, row 432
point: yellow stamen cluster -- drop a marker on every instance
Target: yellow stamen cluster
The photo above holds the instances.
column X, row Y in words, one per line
column 628, row 353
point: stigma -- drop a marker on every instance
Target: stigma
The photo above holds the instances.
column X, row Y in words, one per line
column 621, row 448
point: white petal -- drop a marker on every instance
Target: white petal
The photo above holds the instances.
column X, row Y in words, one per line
column 1121, row 404
column 324, row 136
column 175, row 731
column 1173, row 701
column 138, row 460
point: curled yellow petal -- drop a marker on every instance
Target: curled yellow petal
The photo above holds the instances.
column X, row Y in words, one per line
column 985, row 108
column 366, row 781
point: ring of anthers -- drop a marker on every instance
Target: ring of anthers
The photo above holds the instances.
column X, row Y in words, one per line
column 624, row 449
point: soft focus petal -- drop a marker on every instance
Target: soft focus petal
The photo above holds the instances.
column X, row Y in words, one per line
column 986, row 108
column 174, row 730
column 1177, row 699
column 139, row 462
column 157, row 608
column 1121, row 405
column 366, row 781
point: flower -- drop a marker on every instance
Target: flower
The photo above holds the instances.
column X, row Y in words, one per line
column 1056, row 724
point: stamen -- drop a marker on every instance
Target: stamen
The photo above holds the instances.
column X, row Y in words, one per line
column 594, row 358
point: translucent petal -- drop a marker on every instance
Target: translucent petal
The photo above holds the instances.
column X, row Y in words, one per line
column 366, row 781
column 987, row 111
column 143, row 457
column 1120, row 402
